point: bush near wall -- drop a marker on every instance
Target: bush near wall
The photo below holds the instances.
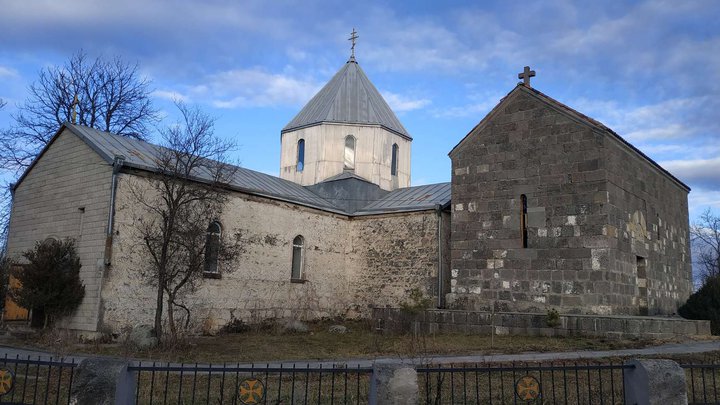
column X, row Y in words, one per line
column 705, row 304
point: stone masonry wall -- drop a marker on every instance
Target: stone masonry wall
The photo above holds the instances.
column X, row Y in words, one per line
column 349, row 265
column 648, row 216
column 529, row 148
column 66, row 195
column 257, row 285
column 390, row 256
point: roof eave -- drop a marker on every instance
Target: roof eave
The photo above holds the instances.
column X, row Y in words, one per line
column 367, row 124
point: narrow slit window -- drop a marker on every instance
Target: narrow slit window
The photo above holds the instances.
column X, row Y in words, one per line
column 394, row 161
column 301, row 155
column 297, row 259
column 523, row 221
column 349, row 156
column 212, row 248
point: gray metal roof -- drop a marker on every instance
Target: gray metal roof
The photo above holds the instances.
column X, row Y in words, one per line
column 349, row 97
column 143, row 155
column 410, row 199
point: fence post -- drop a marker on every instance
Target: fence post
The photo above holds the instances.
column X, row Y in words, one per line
column 102, row 382
column 393, row 383
column 655, row 382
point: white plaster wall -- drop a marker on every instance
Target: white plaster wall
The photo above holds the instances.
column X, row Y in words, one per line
column 324, row 151
column 47, row 203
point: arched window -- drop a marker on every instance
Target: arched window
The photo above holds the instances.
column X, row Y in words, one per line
column 212, row 248
column 394, row 162
column 297, row 259
column 349, row 152
column 301, row 155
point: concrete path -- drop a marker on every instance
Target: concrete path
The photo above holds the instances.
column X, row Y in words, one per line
column 661, row 350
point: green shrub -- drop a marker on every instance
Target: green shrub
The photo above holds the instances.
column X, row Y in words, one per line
column 552, row 319
column 50, row 281
column 416, row 303
column 705, row 304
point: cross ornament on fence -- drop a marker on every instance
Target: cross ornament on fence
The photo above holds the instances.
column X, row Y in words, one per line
column 526, row 75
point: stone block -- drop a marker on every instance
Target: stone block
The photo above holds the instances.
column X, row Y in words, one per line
column 102, row 382
column 655, row 382
column 394, row 383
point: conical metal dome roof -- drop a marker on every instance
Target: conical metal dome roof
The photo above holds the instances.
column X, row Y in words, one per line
column 348, row 98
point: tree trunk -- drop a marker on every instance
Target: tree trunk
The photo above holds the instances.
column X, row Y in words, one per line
column 159, row 310
column 171, row 319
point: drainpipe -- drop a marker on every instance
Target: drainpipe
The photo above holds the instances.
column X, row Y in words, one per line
column 117, row 165
column 438, row 209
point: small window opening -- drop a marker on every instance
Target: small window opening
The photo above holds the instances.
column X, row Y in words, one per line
column 349, row 157
column 212, row 249
column 523, row 220
column 301, row 155
column 297, row 259
column 394, row 162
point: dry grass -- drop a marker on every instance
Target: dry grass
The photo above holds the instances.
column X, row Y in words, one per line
column 319, row 344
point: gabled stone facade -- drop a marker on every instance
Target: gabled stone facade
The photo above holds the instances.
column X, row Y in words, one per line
column 552, row 209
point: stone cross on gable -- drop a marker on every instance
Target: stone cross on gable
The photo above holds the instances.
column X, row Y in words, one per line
column 353, row 37
column 526, row 75
column 74, row 106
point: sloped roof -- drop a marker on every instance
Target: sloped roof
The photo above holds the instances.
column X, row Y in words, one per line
column 348, row 98
column 573, row 114
column 410, row 199
column 143, row 155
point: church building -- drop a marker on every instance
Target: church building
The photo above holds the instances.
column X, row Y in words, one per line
column 546, row 208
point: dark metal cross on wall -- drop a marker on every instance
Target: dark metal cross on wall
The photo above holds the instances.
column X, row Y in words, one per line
column 526, row 75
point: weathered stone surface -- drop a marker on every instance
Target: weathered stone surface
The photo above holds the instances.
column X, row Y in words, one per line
column 295, row 326
column 102, row 382
column 58, row 199
column 393, row 320
column 339, row 329
column 596, row 209
column 395, row 383
column 655, row 382
column 141, row 336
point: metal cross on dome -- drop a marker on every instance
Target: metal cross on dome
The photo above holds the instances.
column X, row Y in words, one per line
column 526, row 75
column 353, row 37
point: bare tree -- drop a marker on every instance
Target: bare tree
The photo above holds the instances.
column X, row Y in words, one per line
column 109, row 95
column 705, row 237
column 186, row 194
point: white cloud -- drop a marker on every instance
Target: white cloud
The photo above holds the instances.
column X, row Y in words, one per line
column 170, row 95
column 400, row 103
column 676, row 118
column 8, row 72
column 256, row 88
column 479, row 105
column 699, row 172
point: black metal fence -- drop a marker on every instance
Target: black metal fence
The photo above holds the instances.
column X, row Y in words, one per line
column 39, row 381
column 228, row 384
column 35, row 381
column 523, row 383
column 702, row 383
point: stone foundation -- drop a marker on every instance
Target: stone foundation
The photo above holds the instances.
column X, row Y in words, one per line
column 393, row 320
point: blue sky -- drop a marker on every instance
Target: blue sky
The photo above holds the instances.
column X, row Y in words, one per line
column 649, row 70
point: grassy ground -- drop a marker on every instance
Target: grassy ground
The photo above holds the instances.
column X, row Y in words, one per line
column 320, row 344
